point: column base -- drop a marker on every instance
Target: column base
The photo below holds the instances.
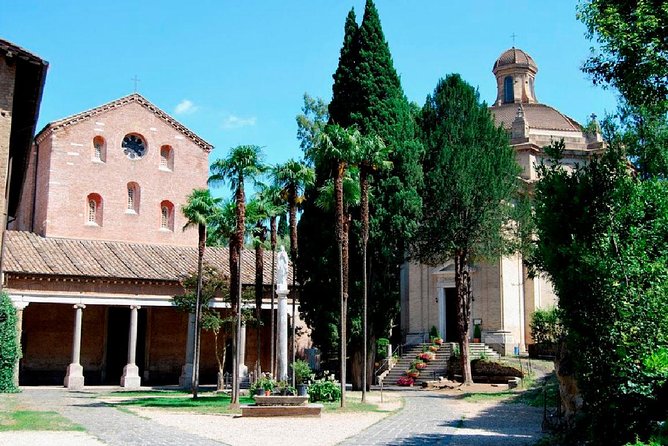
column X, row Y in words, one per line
column 186, row 378
column 130, row 378
column 74, row 379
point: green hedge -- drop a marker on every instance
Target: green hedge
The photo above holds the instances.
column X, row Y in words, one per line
column 10, row 351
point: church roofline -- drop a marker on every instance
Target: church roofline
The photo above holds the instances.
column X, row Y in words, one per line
column 134, row 97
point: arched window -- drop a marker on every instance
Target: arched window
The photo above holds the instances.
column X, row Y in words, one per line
column 508, row 93
column 166, row 216
column 166, row 158
column 99, row 149
column 94, row 209
column 133, row 198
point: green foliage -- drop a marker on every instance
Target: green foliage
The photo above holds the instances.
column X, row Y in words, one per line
column 633, row 48
column 470, row 177
column 603, row 242
column 301, row 370
column 477, row 333
column 381, row 348
column 10, row 351
column 367, row 94
column 433, row 332
column 324, row 389
column 546, row 326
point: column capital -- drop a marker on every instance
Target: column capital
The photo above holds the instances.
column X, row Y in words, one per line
column 135, row 307
column 21, row 305
column 77, row 306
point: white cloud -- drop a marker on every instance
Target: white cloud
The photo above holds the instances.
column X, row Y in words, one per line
column 235, row 122
column 185, row 107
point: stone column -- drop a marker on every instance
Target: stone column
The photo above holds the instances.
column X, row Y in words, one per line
column 20, row 306
column 130, row 378
column 243, row 369
column 185, row 380
column 282, row 319
column 74, row 379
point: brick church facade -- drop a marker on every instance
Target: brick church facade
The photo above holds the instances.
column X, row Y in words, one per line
column 97, row 249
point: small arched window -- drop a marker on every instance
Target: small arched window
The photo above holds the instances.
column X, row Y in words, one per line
column 99, row 149
column 508, row 93
column 133, row 198
column 166, row 158
column 94, row 209
column 166, row 216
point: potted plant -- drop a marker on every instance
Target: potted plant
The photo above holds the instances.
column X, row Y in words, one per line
column 421, row 365
column 405, row 381
column 413, row 373
column 267, row 385
column 302, row 373
column 433, row 348
column 477, row 334
column 437, row 341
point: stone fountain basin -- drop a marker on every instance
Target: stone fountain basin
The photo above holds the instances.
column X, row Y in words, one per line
column 280, row 400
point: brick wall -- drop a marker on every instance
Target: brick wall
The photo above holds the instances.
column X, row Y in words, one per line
column 67, row 173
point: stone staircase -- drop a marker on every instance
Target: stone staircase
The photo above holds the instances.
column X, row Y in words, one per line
column 435, row 368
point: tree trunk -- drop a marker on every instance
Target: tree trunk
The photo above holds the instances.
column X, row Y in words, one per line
column 259, row 288
column 463, row 290
column 201, row 244
column 294, row 252
column 273, row 228
column 364, row 188
column 343, row 264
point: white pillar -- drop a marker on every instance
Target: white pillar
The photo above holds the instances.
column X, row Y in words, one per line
column 20, row 306
column 282, row 335
column 74, row 379
column 243, row 369
column 185, row 380
column 130, row 378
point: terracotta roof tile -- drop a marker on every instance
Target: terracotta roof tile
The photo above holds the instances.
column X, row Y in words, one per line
column 538, row 116
column 29, row 253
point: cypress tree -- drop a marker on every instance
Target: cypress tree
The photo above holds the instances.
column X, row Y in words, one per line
column 367, row 93
column 10, row 352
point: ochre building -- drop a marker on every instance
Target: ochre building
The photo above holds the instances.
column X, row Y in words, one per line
column 504, row 296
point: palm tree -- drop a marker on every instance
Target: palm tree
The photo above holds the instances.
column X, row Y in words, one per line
column 243, row 163
column 275, row 207
column 293, row 177
column 199, row 209
column 337, row 146
column 371, row 155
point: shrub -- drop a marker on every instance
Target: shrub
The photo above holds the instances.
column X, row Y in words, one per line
column 546, row 326
column 381, row 348
column 324, row 389
column 302, row 371
column 10, row 351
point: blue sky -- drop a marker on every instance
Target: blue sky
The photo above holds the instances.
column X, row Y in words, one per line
column 235, row 71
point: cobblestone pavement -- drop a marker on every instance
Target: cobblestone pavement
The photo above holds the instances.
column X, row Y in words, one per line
column 438, row 419
column 110, row 425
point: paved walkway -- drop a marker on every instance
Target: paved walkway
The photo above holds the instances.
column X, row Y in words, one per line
column 431, row 418
column 428, row 418
column 110, row 425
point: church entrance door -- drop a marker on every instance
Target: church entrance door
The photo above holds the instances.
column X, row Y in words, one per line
column 118, row 330
column 447, row 309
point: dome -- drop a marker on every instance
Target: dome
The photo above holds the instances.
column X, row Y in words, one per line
column 517, row 57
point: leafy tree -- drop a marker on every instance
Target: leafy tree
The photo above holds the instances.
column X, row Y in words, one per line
column 633, row 55
column 470, row 181
column 603, row 242
column 310, row 123
column 199, row 210
column 214, row 284
column 244, row 163
column 10, row 351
